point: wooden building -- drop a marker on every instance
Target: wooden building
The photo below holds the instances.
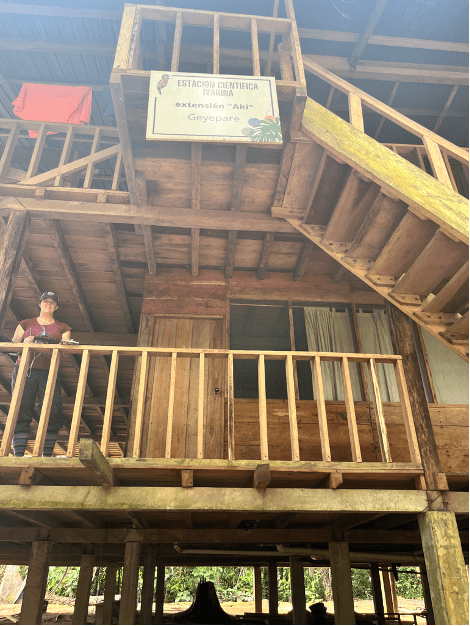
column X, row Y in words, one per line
column 273, row 338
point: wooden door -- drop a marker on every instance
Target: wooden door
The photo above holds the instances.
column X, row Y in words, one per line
column 178, row 332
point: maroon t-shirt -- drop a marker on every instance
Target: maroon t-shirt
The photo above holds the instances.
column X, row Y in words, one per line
column 55, row 330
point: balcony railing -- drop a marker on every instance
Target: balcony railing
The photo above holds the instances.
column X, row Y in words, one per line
column 142, row 364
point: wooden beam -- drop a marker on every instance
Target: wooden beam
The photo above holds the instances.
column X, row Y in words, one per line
column 258, row 589
column 366, row 34
column 445, row 109
column 95, row 462
column 196, row 166
column 237, row 194
column 130, row 579
column 264, row 256
column 377, row 593
column 341, row 582
column 109, row 593
column 389, row 103
column 273, row 591
column 160, row 592
column 303, row 259
column 11, row 252
column 261, row 476
column 148, row 588
column 113, row 249
column 70, row 270
column 297, row 590
column 32, row 606
column 82, row 598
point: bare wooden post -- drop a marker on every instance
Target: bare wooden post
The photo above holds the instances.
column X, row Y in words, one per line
column 263, row 418
column 341, row 582
column 273, row 592
column 148, row 588
column 385, row 575
column 33, row 598
column 77, row 408
column 109, row 593
column 377, row 593
column 257, row 590
column 15, row 402
column 215, row 65
column 200, row 408
column 322, row 422
column 294, row 432
column 171, row 406
column 160, row 594
column 9, row 150
column 437, row 162
column 230, row 409
column 403, row 344
column 254, row 47
column 407, row 413
column 355, row 112
column 447, row 575
column 175, row 57
column 427, row 595
column 351, row 412
column 297, row 590
column 292, row 344
column 46, row 406
column 80, row 611
column 130, row 579
column 139, row 418
column 11, row 252
column 379, row 416
column 108, row 411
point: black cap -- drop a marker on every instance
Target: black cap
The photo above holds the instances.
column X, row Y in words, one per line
column 49, row 294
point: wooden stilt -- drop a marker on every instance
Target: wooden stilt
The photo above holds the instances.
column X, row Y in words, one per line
column 80, row 611
column 148, row 588
column 297, row 590
column 377, row 593
column 403, row 344
column 257, row 590
column 130, row 579
column 447, row 576
column 341, row 582
column 387, row 589
column 11, row 252
column 273, row 588
column 427, row 595
column 109, row 593
column 35, row 589
column 160, row 593
column 394, row 592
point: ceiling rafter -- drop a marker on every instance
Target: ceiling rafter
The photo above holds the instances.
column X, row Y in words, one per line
column 366, row 34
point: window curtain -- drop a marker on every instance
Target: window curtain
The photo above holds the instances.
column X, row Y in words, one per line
column 375, row 339
column 449, row 372
column 329, row 330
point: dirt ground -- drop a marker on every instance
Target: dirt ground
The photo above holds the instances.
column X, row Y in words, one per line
column 62, row 613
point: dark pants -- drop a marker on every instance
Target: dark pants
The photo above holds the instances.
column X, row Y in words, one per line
column 35, row 385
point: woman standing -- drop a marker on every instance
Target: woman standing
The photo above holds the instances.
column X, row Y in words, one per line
column 36, row 379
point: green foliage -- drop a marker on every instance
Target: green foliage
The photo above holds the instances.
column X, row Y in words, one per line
column 68, row 586
column 362, row 586
column 409, row 585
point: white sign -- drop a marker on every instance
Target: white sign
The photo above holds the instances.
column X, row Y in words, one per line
column 213, row 107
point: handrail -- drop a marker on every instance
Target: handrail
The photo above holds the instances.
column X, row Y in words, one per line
column 436, row 147
column 142, row 360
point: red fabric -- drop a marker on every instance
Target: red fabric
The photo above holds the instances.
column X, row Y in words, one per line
column 53, row 103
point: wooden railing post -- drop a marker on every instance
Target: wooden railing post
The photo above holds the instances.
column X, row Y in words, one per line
column 108, row 411
column 215, row 52
column 65, row 156
column 355, row 112
column 294, row 432
column 77, row 409
column 47, row 403
column 379, row 416
column 350, row 411
column 255, row 47
column 139, row 414
column 129, row 39
column 200, row 408
column 263, row 418
column 175, row 56
column 171, row 406
column 407, row 414
column 15, row 402
column 437, row 161
column 321, row 409
column 9, row 150
column 230, row 409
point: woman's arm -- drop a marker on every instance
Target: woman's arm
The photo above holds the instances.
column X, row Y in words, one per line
column 19, row 337
column 66, row 335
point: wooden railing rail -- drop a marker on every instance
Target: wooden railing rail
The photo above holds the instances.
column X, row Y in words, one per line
column 105, row 145
column 128, row 53
column 142, row 356
column 437, row 148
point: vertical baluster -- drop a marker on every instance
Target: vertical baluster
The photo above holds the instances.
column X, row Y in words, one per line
column 350, row 411
column 9, row 150
column 175, row 57
column 272, row 37
column 91, row 166
column 171, row 405
column 231, row 409
column 291, row 395
column 321, row 410
column 37, row 152
column 15, row 402
column 449, row 171
column 216, row 53
column 117, row 171
column 433, row 151
column 139, row 417
column 66, row 151
column 255, row 47
column 263, row 418
column 407, row 414
column 379, row 416
column 77, row 408
column 355, row 112
column 108, row 411
column 47, row 403
column 200, row 408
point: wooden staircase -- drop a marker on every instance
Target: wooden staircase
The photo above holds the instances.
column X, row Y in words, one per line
column 393, row 225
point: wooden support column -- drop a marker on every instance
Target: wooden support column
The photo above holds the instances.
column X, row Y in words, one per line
column 257, row 589
column 387, row 589
column 273, row 589
column 80, row 611
column 160, row 593
column 403, row 344
column 447, row 575
column 11, row 252
column 377, row 593
column 109, row 593
column 427, row 595
column 297, row 590
column 36, row 581
column 130, row 579
column 341, row 582
column 148, row 588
